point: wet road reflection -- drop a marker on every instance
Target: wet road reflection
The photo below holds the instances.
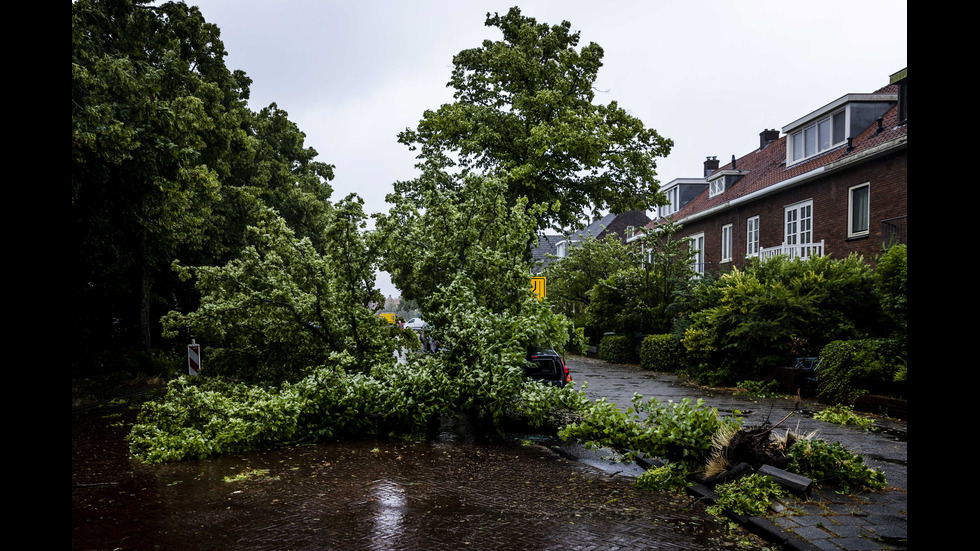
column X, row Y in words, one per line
column 370, row 495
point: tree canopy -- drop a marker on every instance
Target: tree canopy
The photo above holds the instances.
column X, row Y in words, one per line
column 284, row 305
column 167, row 162
column 524, row 113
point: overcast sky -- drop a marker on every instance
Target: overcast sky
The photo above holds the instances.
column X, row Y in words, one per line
column 710, row 75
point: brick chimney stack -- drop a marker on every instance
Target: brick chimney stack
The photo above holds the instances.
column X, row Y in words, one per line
column 766, row 137
column 710, row 165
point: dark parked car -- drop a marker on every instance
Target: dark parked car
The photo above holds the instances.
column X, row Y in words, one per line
column 545, row 365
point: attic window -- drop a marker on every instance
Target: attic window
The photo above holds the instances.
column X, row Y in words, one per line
column 674, row 197
column 717, row 186
column 817, row 137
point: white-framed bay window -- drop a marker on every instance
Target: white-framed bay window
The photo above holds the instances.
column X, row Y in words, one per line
column 858, row 210
column 726, row 243
column 752, row 236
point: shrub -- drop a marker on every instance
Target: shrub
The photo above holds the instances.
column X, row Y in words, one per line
column 851, row 369
column 891, row 285
column 657, row 353
column 617, row 349
column 754, row 320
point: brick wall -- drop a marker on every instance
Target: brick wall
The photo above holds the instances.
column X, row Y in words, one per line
column 888, row 179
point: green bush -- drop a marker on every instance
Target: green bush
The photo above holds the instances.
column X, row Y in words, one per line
column 617, row 349
column 891, row 285
column 851, row 369
column 754, row 320
column 657, row 353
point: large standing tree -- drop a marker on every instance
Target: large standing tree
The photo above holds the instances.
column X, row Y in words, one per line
column 524, row 113
column 167, row 162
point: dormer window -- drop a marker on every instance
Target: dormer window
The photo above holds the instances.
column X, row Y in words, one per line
column 717, row 186
column 561, row 249
column 674, row 199
column 822, row 135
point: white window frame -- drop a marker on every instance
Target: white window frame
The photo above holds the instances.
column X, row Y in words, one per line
column 726, row 243
column 752, row 236
column 853, row 216
column 561, row 249
column 674, row 198
column 798, row 223
column 697, row 250
column 717, row 186
column 821, row 135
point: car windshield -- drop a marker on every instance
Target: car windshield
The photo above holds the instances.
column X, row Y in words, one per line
column 542, row 366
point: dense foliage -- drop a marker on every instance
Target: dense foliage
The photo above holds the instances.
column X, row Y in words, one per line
column 831, row 462
column 458, row 250
column 851, row 369
column 609, row 286
column 167, row 162
column 675, row 431
column 284, row 306
column 753, row 320
column 571, row 279
column 748, row 495
column 657, row 353
column 524, row 113
column 891, row 284
column 617, row 349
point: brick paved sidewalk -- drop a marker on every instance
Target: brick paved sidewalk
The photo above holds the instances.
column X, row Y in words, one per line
column 827, row 521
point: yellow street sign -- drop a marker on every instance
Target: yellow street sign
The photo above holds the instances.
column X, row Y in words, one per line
column 390, row 316
column 540, row 287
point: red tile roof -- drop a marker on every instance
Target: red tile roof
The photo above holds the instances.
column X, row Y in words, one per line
column 766, row 167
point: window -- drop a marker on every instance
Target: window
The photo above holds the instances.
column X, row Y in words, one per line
column 799, row 224
column 858, row 210
column 752, row 236
column 717, row 186
column 674, row 197
column 818, row 137
column 561, row 249
column 697, row 253
column 726, row 243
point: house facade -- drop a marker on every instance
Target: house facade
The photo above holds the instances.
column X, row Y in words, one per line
column 834, row 181
column 624, row 225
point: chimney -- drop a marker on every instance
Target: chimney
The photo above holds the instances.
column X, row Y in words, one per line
column 710, row 165
column 767, row 136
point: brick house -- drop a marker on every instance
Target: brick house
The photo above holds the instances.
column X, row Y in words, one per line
column 835, row 182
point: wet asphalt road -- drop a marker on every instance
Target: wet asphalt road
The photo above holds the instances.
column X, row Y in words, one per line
column 451, row 493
